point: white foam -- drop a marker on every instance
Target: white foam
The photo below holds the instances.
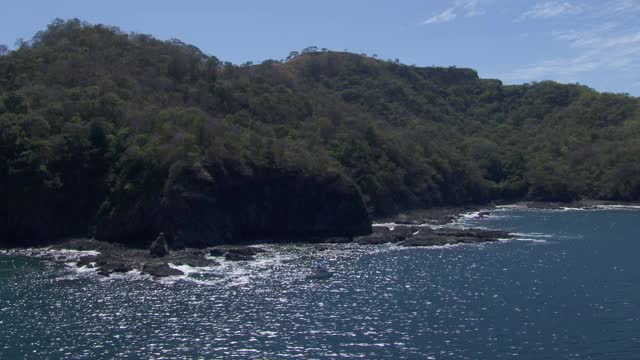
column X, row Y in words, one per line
column 533, row 240
column 533, row 235
column 48, row 251
column 440, row 247
column 472, row 214
column 187, row 270
column 130, row 275
column 73, row 252
column 83, row 269
column 596, row 207
column 511, row 206
column 619, row 207
column 392, row 225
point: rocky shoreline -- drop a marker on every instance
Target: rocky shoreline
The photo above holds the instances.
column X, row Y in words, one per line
column 111, row 259
column 439, row 216
column 158, row 261
column 107, row 259
column 409, row 236
column 420, row 228
column 432, row 216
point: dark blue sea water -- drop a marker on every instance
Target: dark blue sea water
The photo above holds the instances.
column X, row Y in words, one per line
column 568, row 289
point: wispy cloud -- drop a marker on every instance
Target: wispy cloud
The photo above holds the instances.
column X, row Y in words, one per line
column 600, row 42
column 445, row 16
column 599, row 45
column 467, row 8
column 622, row 59
column 550, row 9
column 564, row 69
column 471, row 8
column 625, row 6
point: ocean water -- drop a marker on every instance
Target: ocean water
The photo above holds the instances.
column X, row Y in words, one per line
column 568, row 288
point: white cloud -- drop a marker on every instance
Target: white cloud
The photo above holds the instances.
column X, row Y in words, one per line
column 607, row 41
column 601, row 38
column 470, row 8
column 557, row 68
column 625, row 6
column 467, row 8
column 585, row 38
column 551, row 9
column 445, row 16
column 617, row 58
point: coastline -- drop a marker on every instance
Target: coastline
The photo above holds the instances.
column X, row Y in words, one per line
column 447, row 215
column 417, row 228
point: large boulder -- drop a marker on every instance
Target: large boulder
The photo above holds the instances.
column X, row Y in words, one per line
column 159, row 246
column 160, row 270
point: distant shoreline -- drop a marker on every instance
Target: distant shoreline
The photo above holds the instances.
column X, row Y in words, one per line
column 447, row 214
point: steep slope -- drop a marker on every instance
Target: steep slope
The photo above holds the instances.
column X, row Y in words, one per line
column 123, row 136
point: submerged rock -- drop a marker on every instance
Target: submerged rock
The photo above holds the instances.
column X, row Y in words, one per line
column 474, row 233
column 87, row 261
column 238, row 257
column 321, row 248
column 195, row 262
column 236, row 253
column 217, row 252
column 106, row 269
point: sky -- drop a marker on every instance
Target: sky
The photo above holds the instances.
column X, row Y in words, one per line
column 595, row 43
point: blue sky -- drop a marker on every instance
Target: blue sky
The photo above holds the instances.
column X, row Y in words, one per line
column 596, row 43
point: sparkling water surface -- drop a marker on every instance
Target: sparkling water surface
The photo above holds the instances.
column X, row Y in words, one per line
column 568, row 288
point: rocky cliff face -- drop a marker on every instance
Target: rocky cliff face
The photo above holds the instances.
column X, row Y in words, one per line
column 228, row 202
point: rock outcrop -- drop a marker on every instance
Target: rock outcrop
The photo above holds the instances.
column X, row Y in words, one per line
column 113, row 259
column 425, row 236
column 159, row 246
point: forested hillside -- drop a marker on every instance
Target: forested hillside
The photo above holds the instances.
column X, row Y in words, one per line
column 122, row 136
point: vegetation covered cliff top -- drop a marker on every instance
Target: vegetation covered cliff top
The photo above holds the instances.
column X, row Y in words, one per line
column 93, row 120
